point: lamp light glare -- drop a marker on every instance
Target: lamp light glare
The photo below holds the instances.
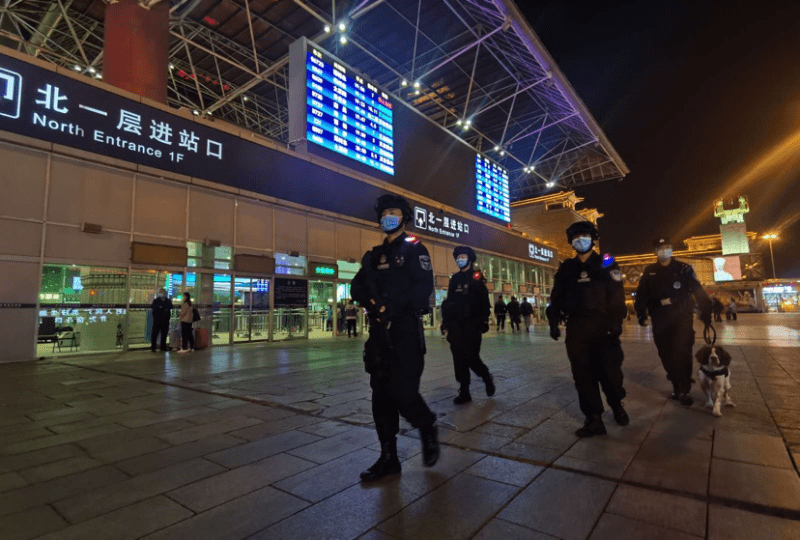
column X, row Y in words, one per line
column 342, row 27
column 77, row 67
column 343, row 40
column 416, row 84
column 459, row 122
column 404, row 83
column 327, row 28
column 496, row 148
column 92, row 70
column 502, row 152
column 469, row 122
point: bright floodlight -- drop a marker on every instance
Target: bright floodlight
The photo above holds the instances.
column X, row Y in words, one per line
column 92, row 70
column 343, row 40
column 496, row 148
column 327, row 28
column 770, row 236
column 459, row 122
column 77, row 67
column 502, row 152
column 416, row 84
column 404, row 83
column 342, row 27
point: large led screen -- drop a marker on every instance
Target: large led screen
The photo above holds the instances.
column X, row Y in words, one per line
column 727, row 268
column 491, row 186
column 348, row 115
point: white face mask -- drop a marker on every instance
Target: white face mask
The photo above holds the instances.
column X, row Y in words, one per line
column 582, row 244
column 664, row 253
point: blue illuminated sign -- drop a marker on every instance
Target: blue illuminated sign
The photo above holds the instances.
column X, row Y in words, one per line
column 347, row 114
column 491, row 181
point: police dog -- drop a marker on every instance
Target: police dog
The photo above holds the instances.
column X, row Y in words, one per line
column 715, row 378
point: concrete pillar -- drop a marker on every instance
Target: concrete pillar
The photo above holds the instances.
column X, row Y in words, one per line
column 136, row 48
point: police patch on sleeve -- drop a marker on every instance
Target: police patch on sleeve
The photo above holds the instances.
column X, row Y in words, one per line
column 425, row 262
column 616, row 275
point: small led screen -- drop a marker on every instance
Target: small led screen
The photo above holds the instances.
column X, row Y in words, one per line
column 348, row 115
column 491, row 181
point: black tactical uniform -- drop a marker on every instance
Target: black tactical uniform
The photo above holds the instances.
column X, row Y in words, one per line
column 590, row 297
column 162, row 311
column 395, row 285
column 668, row 293
column 500, row 310
column 465, row 314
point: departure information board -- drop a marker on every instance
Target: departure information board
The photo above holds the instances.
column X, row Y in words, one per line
column 491, row 182
column 348, row 115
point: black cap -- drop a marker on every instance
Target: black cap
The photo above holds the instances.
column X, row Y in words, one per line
column 663, row 241
column 465, row 250
column 582, row 227
column 393, row 201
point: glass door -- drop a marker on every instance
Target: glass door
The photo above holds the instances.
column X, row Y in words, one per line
column 251, row 309
column 144, row 287
column 320, row 309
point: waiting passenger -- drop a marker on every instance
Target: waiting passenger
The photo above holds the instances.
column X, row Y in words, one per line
column 187, row 318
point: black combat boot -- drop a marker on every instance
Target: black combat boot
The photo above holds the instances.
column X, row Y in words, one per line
column 687, row 399
column 676, row 392
column 489, row 381
column 463, row 396
column 593, row 426
column 430, row 445
column 387, row 462
column 620, row 416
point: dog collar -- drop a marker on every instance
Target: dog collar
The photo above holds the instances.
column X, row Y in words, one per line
column 713, row 374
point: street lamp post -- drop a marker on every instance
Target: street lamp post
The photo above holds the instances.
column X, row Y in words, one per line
column 770, row 238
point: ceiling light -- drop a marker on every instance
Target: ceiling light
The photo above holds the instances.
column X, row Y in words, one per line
column 550, row 184
column 327, row 28
column 171, row 66
column 77, row 68
column 195, row 112
column 469, row 122
column 496, row 148
column 502, row 152
column 416, row 92
column 343, row 40
column 246, row 98
column 92, row 70
column 416, row 84
column 404, row 83
column 459, row 122
column 98, row 76
column 342, row 27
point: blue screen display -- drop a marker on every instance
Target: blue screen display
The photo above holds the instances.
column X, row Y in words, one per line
column 347, row 114
column 491, row 182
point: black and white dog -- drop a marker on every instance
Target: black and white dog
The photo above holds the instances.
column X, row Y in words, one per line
column 715, row 378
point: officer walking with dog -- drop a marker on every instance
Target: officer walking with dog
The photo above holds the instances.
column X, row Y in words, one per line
column 667, row 292
column 465, row 314
column 394, row 284
column 589, row 295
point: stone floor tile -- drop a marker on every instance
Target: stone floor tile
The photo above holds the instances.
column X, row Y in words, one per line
column 543, row 456
column 333, row 447
column 604, row 451
column 407, row 447
column 768, row 486
column 526, row 416
column 456, row 509
column 100, row 501
column 275, row 427
column 264, row 448
column 205, row 430
column 39, row 457
column 127, row 523
column 65, row 467
column 505, row 470
column 613, row 527
column 501, row 430
column 756, row 449
column 419, row 479
column 732, row 524
column 593, row 467
column 10, row 438
column 236, row 519
column 57, row 440
column 128, row 450
column 330, row 478
column 375, row 534
column 205, row 494
column 157, row 418
column 53, row 490
column 475, row 440
column 326, row 428
column 499, row 529
column 30, row 523
column 177, row 454
column 554, row 434
column 346, row 515
column 541, row 506
column 11, row 480
column 662, row 509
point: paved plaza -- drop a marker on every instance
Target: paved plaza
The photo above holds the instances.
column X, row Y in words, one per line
column 266, row 442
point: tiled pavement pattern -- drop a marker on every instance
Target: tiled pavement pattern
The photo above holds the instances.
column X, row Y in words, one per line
column 266, row 442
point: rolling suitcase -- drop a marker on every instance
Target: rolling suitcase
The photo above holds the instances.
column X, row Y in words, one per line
column 200, row 339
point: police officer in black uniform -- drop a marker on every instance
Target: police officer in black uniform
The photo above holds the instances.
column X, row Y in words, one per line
column 162, row 311
column 588, row 294
column 465, row 314
column 668, row 291
column 395, row 284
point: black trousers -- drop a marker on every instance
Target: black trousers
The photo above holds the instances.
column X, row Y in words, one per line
column 501, row 321
column 187, row 333
column 465, row 344
column 159, row 327
column 396, row 392
column 514, row 323
column 674, row 336
column 596, row 359
column 351, row 326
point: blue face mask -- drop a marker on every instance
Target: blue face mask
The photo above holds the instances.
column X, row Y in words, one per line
column 664, row 254
column 462, row 263
column 582, row 244
column 390, row 224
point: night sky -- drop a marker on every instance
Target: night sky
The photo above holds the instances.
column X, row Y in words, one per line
column 695, row 96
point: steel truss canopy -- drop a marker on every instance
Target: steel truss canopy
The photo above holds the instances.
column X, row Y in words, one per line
column 474, row 67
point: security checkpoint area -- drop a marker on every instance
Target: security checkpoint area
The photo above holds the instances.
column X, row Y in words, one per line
column 234, row 150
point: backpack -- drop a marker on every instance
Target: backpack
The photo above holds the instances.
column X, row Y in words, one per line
column 195, row 315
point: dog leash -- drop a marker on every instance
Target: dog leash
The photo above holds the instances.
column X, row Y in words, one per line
column 710, row 335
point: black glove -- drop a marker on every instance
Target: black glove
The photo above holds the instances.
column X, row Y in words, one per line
column 642, row 321
column 484, row 327
column 555, row 333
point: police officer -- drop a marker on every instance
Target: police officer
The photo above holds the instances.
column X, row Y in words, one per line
column 500, row 310
column 395, row 284
column 162, row 311
column 589, row 295
column 668, row 291
column 465, row 314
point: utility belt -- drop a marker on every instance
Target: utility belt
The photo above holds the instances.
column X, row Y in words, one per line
column 670, row 302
